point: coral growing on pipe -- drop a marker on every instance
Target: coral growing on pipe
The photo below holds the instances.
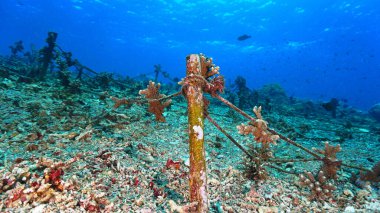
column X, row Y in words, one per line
column 199, row 73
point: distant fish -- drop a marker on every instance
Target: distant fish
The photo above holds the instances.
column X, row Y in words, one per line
column 243, row 37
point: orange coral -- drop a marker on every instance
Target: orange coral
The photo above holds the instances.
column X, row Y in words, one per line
column 155, row 106
column 204, row 76
column 119, row 102
column 259, row 129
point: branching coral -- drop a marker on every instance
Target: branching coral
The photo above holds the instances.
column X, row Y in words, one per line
column 254, row 168
column 119, row 102
column 319, row 187
column 152, row 94
column 215, row 85
column 208, row 78
column 208, row 69
column 259, row 129
column 330, row 163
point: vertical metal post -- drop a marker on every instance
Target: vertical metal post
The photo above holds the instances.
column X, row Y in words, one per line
column 194, row 95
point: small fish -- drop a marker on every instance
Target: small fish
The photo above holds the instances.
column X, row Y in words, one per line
column 243, row 37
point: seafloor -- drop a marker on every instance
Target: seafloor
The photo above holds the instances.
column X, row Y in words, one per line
column 62, row 151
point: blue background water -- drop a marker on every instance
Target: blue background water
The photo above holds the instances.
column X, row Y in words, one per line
column 314, row 49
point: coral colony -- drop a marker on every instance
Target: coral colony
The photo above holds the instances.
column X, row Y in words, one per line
column 70, row 143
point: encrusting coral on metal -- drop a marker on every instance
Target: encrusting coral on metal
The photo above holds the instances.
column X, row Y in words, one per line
column 198, row 70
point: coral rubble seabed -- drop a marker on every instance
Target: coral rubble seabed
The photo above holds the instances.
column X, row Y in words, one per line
column 71, row 150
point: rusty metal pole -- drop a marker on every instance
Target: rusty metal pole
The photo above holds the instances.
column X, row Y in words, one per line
column 194, row 95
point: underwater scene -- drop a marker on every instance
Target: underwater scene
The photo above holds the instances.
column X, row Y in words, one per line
column 189, row 106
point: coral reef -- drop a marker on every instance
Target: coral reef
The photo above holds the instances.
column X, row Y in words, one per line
column 119, row 102
column 121, row 160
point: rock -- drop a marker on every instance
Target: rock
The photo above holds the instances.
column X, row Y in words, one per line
column 375, row 112
column 39, row 208
column 373, row 206
column 363, row 130
column 7, row 83
column 146, row 210
column 175, row 142
column 349, row 209
column 348, row 193
column 266, row 209
column 362, row 196
column 187, row 162
column 213, row 182
column 327, row 206
column 220, row 156
column 147, row 158
column 139, row 202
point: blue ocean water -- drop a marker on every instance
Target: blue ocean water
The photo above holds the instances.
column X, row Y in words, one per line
column 313, row 49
